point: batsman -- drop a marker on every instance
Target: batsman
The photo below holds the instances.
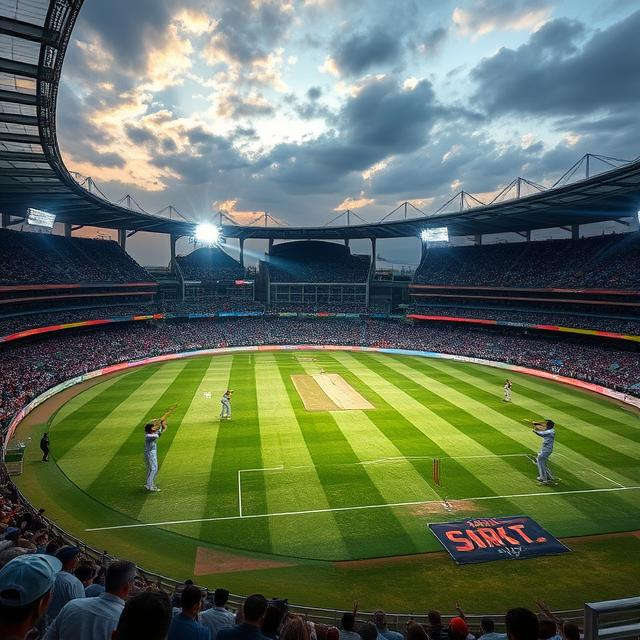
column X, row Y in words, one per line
column 152, row 431
column 546, row 430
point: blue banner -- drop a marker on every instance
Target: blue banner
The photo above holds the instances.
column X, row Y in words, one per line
column 488, row 539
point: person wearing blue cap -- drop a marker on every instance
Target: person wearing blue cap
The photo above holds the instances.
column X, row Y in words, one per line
column 26, row 585
column 67, row 586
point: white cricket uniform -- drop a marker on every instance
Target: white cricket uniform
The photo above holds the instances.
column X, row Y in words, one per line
column 151, row 457
column 225, row 401
column 507, row 392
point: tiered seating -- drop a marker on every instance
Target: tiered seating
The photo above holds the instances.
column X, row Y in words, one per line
column 210, row 264
column 316, row 262
column 603, row 262
column 35, row 258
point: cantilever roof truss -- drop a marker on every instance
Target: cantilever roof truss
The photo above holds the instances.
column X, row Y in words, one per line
column 34, row 35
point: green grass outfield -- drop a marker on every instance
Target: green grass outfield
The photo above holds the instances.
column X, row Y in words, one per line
column 318, row 491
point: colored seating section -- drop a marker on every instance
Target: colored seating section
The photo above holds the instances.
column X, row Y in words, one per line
column 603, row 262
column 38, row 258
column 316, row 262
column 210, row 264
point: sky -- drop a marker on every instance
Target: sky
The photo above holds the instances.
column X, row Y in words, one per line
column 306, row 108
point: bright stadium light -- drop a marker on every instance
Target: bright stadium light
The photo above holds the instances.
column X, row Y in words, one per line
column 424, row 235
column 207, row 233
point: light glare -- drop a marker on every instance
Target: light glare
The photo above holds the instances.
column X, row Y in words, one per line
column 207, row 233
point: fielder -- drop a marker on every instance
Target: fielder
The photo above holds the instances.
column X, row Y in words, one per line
column 546, row 430
column 507, row 390
column 153, row 430
column 225, row 401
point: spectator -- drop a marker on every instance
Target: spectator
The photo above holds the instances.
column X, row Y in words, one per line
column 253, row 612
column 380, row 620
column 348, row 626
column 145, row 616
column 368, row 631
column 272, row 621
column 85, row 572
column 459, row 629
column 296, row 628
column 97, row 586
column 521, row 624
column 26, row 585
column 218, row 617
column 416, row 631
column 547, row 630
column 67, row 586
column 96, row 618
column 488, row 629
column 435, row 629
column 570, row 631
column 333, row 633
column 185, row 625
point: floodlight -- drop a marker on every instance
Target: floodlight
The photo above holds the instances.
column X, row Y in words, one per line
column 207, row 233
column 39, row 218
column 435, row 234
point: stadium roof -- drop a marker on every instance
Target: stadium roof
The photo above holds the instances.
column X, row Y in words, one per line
column 34, row 35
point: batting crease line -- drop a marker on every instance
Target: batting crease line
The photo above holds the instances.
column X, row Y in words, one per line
column 372, row 506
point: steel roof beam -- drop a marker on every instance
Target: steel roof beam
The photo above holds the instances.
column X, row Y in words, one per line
column 23, row 30
column 14, row 67
column 17, row 118
column 25, row 138
column 15, row 97
column 28, row 173
column 22, row 156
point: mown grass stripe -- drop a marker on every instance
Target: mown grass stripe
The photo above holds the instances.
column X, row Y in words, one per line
column 186, row 475
column 590, row 408
column 448, row 436
column 93, row 451
column 591, row 441
column 86, row 396
column 282, row 443
column 614, row 411
column 237, row 446
column 337, row 465
column 496, row 424
column 81, row 416
column 502, row 424
column 124, row 475
column 566, row 461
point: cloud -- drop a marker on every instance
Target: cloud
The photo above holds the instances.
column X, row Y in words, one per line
column 234, row 106
column 431, row 43
column 354, row 203
column 484, row 16
column 553, row 73
column 361, row 52
column 383, row 119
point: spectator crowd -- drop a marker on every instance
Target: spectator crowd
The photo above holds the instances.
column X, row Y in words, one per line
column 603, row 262
column 39, row 258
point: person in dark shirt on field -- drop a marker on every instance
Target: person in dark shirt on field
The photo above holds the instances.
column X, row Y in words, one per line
column 44, row 447
column 254, row 610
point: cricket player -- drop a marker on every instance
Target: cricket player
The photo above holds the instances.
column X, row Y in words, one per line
column 545, row 430
column 507, row 390
column 225, row 401
column 152, row 431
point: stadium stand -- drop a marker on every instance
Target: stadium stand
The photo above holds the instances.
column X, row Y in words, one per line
column 603, row 262
column 210, row 264
column 629, row 325
column 35, row 258
column 315, row 262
